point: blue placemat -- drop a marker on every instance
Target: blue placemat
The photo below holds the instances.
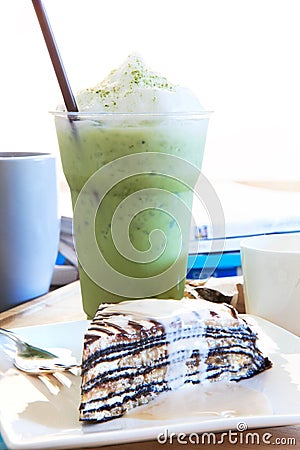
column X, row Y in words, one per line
column 2, row 445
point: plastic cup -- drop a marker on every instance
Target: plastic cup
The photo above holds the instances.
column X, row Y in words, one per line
column 131, row 178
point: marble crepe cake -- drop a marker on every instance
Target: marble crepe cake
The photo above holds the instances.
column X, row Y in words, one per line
column 137, row 349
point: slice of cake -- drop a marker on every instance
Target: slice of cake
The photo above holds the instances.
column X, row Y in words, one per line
column 137, row 349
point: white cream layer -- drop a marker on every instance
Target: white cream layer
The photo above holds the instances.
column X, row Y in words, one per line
column 166, row 311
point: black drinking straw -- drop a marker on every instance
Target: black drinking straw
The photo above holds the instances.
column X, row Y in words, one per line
column 57, row 63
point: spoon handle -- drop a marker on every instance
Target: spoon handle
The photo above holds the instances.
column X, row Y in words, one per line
column 12, row 336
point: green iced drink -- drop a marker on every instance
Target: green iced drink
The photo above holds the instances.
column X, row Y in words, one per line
column 131, row 177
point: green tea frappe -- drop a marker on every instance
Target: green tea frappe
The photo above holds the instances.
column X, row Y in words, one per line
column 132, row 156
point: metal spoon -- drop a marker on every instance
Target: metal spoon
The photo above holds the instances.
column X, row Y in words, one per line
column 35, row 360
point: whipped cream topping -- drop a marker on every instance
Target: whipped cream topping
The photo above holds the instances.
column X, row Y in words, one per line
column 134, row 88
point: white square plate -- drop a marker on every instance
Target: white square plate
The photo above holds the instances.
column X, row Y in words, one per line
column 33, row 416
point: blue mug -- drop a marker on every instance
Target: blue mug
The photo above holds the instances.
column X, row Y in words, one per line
column 29, row 226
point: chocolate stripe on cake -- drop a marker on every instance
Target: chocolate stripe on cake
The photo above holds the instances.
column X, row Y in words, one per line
column 136, row 349
column 123, row 372
column 125, row 347
column 152, row 388
column 121, row 350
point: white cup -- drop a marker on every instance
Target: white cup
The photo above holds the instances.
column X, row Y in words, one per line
column 271, row 272
column 29, row 226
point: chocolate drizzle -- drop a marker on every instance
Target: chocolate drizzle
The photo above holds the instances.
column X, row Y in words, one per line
column 137, row 326
column 101, row 329
column 117, row 327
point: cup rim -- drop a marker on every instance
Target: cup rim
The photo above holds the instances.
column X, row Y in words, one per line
column 253, row 243
column 15, row 155
column 108, row 114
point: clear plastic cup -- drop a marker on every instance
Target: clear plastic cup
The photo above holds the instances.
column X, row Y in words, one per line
column 131, row 178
